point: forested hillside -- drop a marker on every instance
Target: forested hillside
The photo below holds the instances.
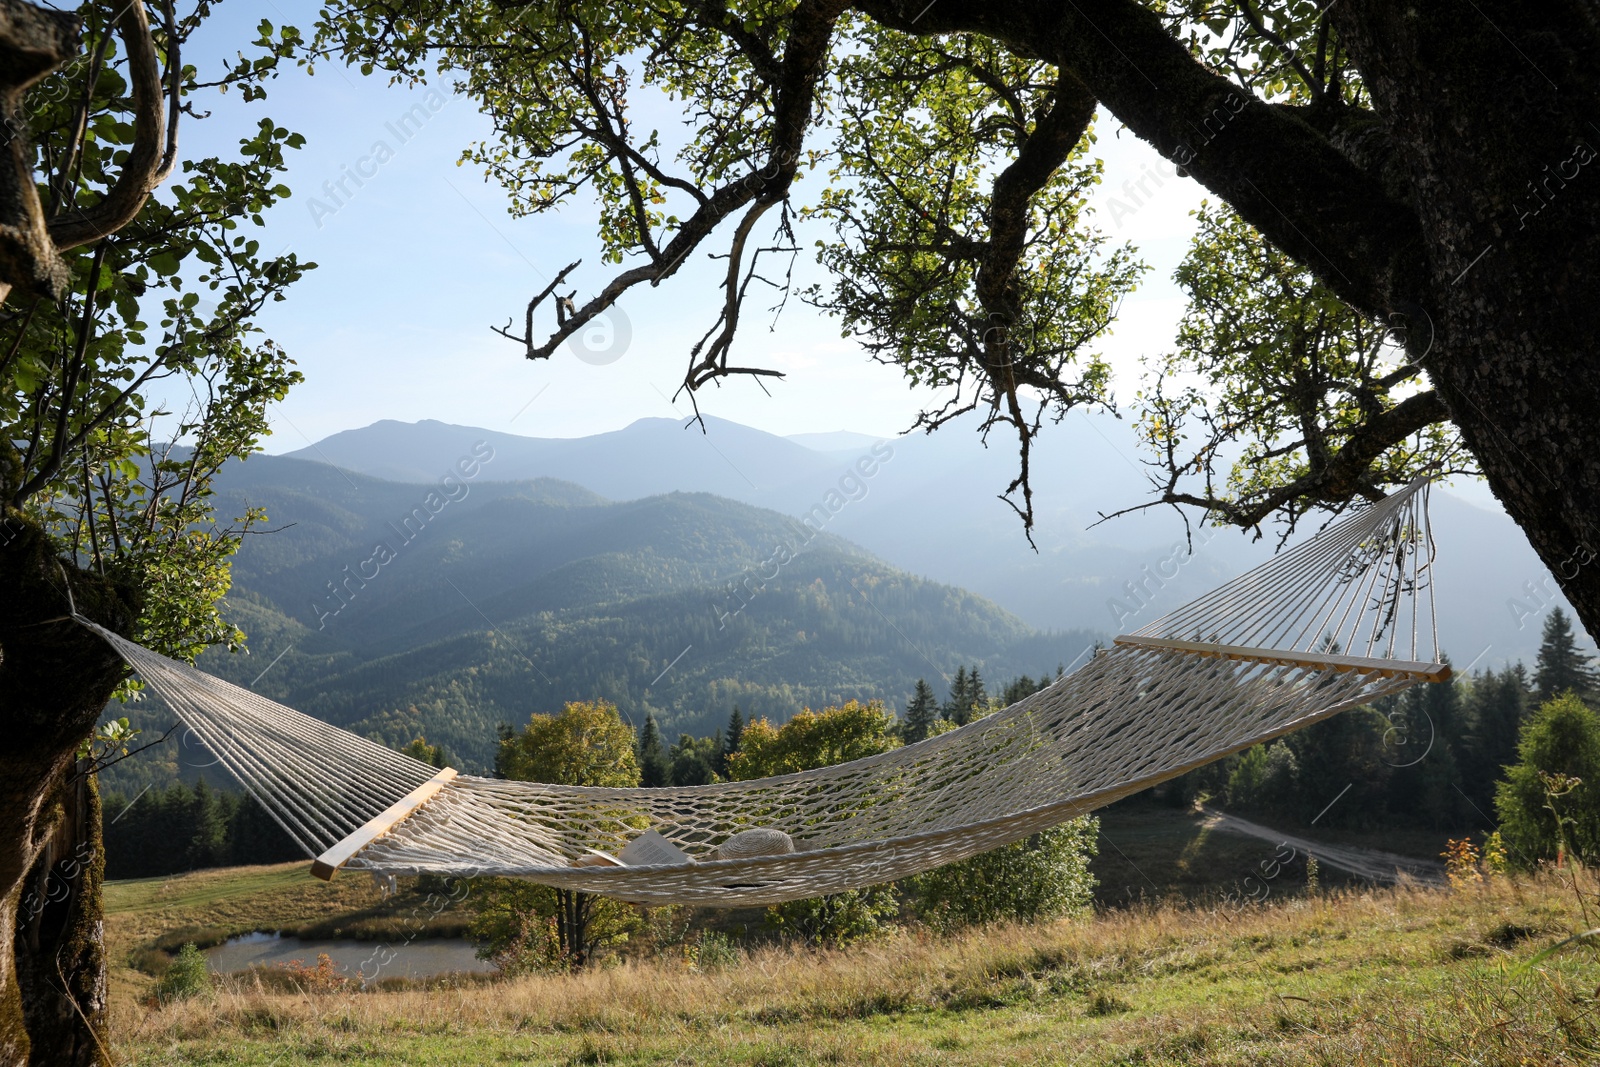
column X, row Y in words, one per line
column 444, row 609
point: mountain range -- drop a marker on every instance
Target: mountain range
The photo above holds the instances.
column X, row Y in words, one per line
column 930, row 508
column 435, row 580
column 443, row 608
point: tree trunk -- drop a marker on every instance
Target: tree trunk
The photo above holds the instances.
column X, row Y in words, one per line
column 60, row 949
column 1493, row 109
column 55, row 677
column 574, row 911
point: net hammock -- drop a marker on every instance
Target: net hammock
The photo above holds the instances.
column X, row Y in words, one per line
column 1338, row 621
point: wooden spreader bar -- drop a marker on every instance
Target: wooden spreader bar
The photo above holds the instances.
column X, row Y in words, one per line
column 330, row 861
column 1386, row 668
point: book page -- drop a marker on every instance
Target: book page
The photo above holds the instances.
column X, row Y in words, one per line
column 650, row 849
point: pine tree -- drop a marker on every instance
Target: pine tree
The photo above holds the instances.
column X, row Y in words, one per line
column 1496, row 707
column 920, row 713
column 952, row 701
column 654, row 768
column 1022, row 687
column 1441, row 802
column 977, row 697
column 730, row 739
column 504, row 736
column 1560, row 665
column 208, row 842
column 966, row 697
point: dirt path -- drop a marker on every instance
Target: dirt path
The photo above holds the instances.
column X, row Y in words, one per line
column 1362, row 862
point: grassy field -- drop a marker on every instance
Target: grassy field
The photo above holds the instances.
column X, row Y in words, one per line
column 1380, row 976
column 1386, row 976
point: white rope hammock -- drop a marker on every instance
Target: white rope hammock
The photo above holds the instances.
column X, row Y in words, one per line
column 1336, row 622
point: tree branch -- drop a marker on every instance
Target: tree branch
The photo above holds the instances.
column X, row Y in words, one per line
column 147, row 164
column 33, row 42
column 1345, row 474
column 1276, row 170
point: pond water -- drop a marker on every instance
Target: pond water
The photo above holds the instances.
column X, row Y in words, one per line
column 366, row 959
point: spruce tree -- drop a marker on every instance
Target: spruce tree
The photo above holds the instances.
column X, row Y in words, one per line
column 730, row 739
column 1560, row 665
column 1441, row 803
column 1496, row 706
column 208, row 819
column 920, row 713
column 654, row 768
column 977, row 698
column 957, row 703
column 503, row 738
column 952, row 701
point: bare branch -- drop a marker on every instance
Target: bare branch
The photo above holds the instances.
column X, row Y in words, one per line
column 527, row 334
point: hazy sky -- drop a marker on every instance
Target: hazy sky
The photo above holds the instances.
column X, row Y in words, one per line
column 423, row 258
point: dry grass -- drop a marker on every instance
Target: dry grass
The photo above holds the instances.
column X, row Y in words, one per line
column 1394, row 976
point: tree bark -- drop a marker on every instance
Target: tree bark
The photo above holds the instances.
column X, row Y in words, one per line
column 33, row 42
column 55, row 677
column 61, row 966
column 1494, row 112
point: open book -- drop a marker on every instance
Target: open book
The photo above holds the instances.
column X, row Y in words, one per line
column 649, row 849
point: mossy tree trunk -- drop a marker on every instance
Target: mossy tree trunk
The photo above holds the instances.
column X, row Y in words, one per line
column 55, row 677
column 60, row 946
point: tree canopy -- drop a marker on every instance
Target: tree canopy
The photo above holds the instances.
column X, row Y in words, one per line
column 813, row 739
column 586, row 744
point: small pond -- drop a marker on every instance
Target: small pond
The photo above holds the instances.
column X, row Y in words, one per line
column 367, row 959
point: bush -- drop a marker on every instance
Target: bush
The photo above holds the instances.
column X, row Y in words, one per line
column 836, row 919
column 1041, row 877
column 1560, row 744
column 186, row 976
column 1265, row 776
column 517, row 925
column 713, row 951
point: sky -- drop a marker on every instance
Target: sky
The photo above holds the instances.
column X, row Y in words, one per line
column 422, row 258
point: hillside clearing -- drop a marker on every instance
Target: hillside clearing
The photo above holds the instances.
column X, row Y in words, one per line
column 1401, row 975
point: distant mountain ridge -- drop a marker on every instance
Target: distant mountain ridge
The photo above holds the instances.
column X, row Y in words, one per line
column 931, row 509
column 445, row 608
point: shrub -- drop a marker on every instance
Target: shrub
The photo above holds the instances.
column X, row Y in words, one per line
column 1559, row 744
column 187, row 975
column 713, row 951
column 323, row 977
column 1461, row 863
column 836, row 919
column 1043, row 876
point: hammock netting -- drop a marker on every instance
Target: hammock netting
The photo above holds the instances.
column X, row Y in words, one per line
column 1338, row 621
